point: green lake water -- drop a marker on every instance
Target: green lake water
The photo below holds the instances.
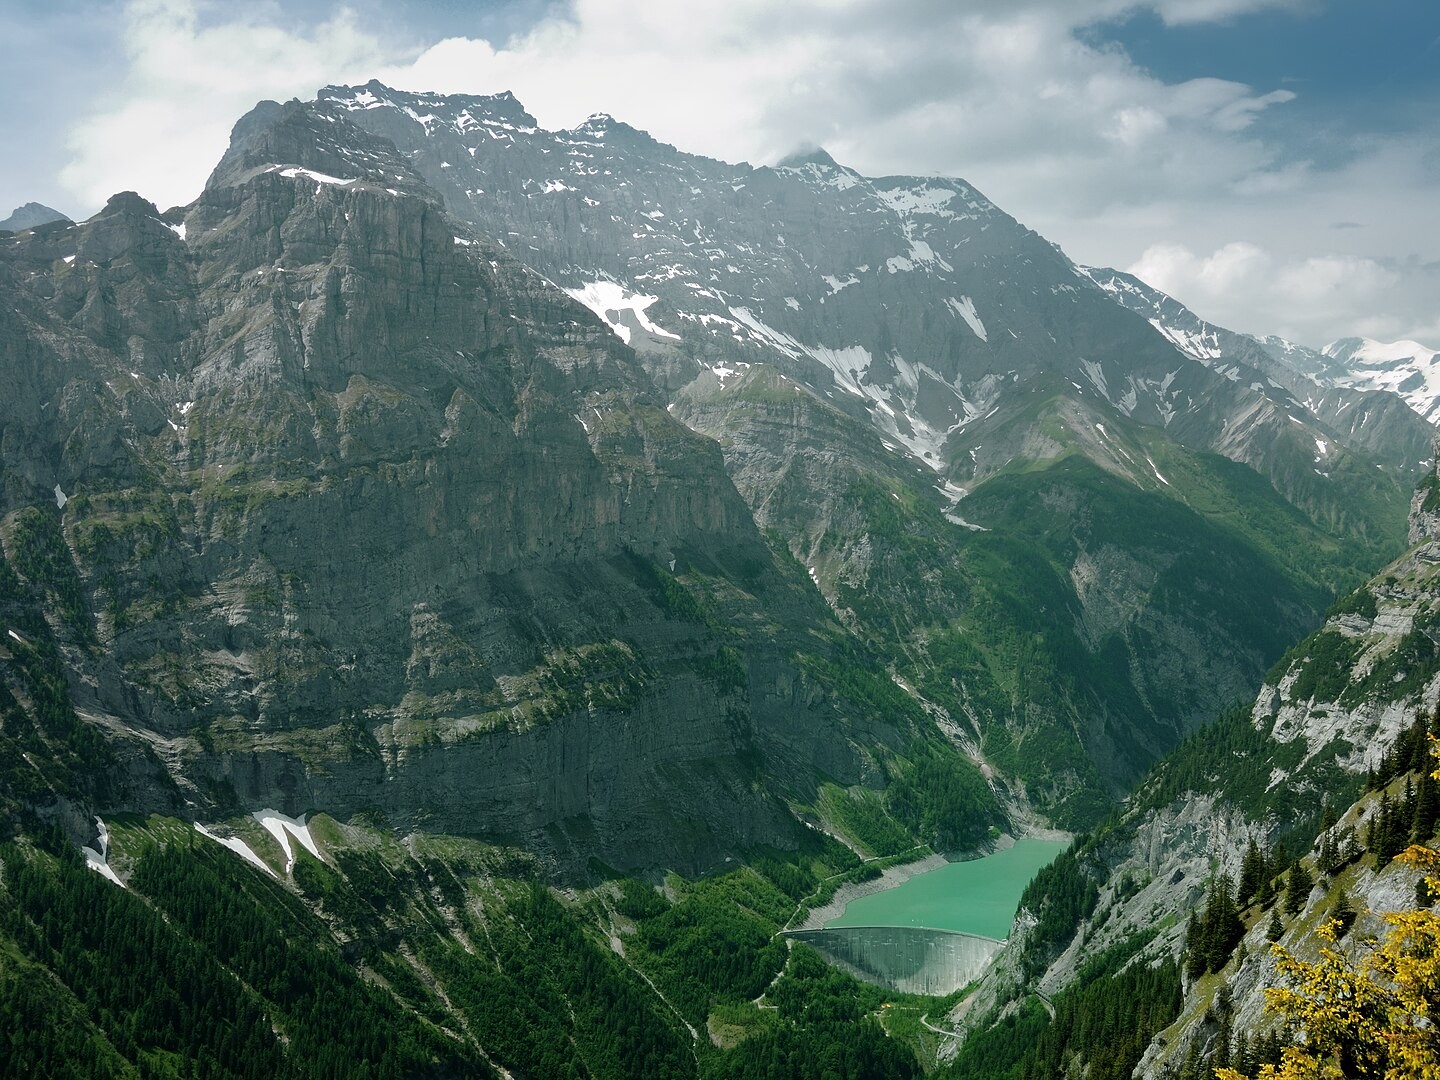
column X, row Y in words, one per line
column 978, row 896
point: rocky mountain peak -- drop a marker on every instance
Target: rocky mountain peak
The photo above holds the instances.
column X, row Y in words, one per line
column 817, row 156
column 350, row 393
column 1406, row 368
column 462, row 111
column 606, row 128
column 129, row 202
column 29, row 216
column 318, row 142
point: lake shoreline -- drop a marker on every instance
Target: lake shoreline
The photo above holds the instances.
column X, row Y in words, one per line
column 894, row 877
column 889, row 878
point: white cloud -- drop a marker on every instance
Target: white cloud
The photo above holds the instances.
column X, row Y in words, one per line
column 1181, row 12
column 1312, row 300
column 162, row 130
column 1233, row 269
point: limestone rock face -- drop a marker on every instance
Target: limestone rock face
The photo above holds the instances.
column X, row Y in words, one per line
column 1425, row 503
column 368, row 517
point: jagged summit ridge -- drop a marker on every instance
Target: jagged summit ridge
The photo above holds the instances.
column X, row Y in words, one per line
column 1370, row 418
column 892, row 292
column 494, row 110
column 321, row 143
column 911, row 301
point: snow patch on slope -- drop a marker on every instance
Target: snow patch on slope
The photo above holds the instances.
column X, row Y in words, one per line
column 282, row 828
column 891, row 413
column 965, row 308
column 617, row 306
column 954, row 493
column 1203, row 346
column 1406, row 368
column 98, row 860
column 321, row 179
column 919, row 200
column 235, row 844
column 1096, row 375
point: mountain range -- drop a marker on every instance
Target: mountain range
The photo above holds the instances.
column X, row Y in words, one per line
column 525, row 506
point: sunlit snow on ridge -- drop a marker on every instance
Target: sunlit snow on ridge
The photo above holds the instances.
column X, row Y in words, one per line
column 1406, row 368
column 321, row 179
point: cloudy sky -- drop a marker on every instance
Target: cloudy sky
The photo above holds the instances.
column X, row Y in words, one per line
column 1273, row 163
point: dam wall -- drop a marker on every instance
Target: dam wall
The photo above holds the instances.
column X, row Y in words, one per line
column 909, row 959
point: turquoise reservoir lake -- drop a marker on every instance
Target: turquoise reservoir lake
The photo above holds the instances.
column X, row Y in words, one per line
column 978, row 896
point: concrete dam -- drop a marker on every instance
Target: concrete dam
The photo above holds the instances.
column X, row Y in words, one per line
column 910, row 959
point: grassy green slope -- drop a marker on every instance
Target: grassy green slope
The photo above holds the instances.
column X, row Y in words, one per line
column 1125, row 591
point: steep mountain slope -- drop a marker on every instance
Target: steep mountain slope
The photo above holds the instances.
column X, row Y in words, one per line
column 1256, row 788
column 919, row 342
column 1077, row 633
column 330, row 505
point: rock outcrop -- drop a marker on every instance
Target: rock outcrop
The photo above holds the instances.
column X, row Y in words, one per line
column 366, row 516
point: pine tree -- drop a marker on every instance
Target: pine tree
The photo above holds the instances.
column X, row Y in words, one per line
column 1195, row 952
column 1350, row 849
column 1241, row 1057
column 1190, row 1070
column 1276, row 928
column 1225, row 1014
column 1266, row 892
column 1427, row 810
column 1253, row 871
column 1328, row 860
column 1343, row 914
column 1212, row 937
column 1297, row 888
column 1269, row 1048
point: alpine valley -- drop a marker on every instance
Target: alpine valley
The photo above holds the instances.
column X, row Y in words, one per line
column 468, row 587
